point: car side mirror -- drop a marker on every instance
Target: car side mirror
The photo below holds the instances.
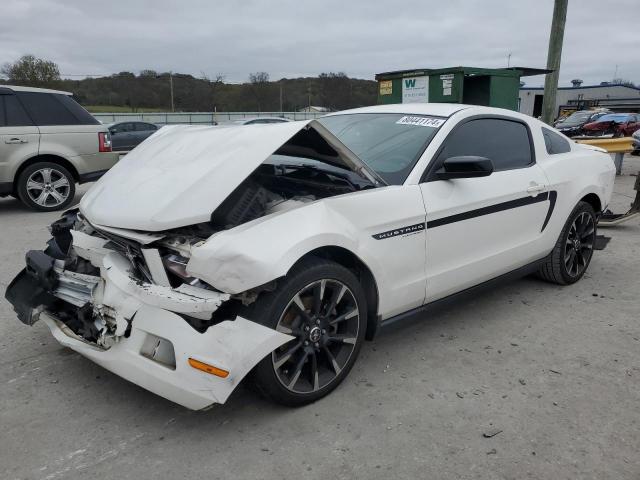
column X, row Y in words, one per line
column 467, row 166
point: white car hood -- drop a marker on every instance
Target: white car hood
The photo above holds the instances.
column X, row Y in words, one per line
column 181, row 174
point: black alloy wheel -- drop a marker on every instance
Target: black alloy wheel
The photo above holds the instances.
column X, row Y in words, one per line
column 322, row 305
column 579, row 244
column 573, row 250
column 324, row 318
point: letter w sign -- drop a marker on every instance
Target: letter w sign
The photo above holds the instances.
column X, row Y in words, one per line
column 415, row 89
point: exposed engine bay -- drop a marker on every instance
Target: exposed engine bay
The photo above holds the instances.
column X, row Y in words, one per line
column 304, row 169
column 276, row 187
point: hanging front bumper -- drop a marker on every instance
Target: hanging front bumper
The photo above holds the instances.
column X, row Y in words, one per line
column 147, row 338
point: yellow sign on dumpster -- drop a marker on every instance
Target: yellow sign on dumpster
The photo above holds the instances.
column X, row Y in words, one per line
column 386, row 87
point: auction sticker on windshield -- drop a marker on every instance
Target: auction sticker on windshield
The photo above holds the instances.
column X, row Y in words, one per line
column 421, row 121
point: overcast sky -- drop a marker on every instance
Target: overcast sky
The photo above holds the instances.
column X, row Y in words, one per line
column 291, row 38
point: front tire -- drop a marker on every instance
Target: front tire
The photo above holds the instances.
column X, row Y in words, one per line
column 46, row 186
column 573, row 251
column 322, row 305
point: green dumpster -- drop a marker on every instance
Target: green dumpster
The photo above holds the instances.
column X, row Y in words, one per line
column 494, row 87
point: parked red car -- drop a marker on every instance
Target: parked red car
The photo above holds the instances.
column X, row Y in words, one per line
column 616, row 124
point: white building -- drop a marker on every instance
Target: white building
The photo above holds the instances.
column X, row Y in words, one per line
column 621, row 98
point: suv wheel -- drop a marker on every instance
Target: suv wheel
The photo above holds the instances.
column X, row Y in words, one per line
column 46, row 187
column 322, row 305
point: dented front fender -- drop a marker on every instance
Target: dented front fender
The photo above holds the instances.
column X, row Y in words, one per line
column 258, row 252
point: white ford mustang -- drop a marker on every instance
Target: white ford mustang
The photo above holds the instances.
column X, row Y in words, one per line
column 210, row 252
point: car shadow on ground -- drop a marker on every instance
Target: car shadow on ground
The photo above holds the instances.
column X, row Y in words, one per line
column 10, row 205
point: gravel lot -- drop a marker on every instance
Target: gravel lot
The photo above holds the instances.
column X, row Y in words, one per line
column 555, row 370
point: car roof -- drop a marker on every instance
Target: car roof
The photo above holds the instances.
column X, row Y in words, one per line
column 18, row 88
column 437, row 109
column 282, row 119
column 616, row 114
column 131, row 121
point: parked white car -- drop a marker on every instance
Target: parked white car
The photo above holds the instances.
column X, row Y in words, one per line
column 207, row 253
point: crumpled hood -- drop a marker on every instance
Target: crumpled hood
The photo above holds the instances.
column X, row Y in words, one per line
column 181, row 174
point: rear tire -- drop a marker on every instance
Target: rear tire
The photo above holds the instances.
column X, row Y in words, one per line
column 321, row 304
column 46, row 187
column 573, row 251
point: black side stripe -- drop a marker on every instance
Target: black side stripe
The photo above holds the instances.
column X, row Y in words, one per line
column 499, row 207
column 553, row 195
column 418, row 227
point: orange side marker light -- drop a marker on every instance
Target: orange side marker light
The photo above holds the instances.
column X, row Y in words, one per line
column 205, row 367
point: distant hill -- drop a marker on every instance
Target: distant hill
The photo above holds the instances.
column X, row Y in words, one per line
column 150, row 91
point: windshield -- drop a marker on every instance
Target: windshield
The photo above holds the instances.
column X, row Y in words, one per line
column 614, row 118
column 389, row 143
column 577, row 117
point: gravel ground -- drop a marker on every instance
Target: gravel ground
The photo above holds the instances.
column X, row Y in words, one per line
column 555, row 371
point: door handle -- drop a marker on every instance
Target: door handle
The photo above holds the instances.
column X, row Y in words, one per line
column 16, row 140
column 535, row 189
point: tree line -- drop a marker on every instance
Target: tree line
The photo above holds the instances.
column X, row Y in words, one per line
column 152, row 90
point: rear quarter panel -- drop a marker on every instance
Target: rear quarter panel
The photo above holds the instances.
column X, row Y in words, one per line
column 78, row 144
column 574, row 175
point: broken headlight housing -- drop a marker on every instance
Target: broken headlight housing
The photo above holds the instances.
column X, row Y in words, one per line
column 176, row 267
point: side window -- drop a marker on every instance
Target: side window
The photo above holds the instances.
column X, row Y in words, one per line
column 15, row 115
column 506, row 143
column 145, row 127
column 554, row 142
column 83, row 117
column 3, row 122
column 45, row 109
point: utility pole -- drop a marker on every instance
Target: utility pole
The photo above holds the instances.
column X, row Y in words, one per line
column 553, row 60
column 171, row 86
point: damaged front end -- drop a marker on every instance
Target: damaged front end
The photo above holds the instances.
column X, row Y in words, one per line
column 132, row 280
column 124, row 300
